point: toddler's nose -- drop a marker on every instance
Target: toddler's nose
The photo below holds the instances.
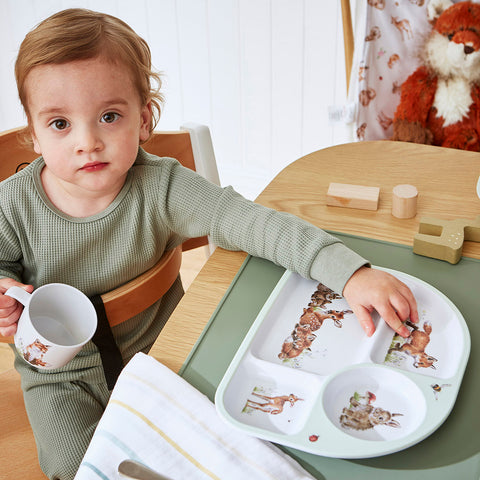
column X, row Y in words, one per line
column 88, row 141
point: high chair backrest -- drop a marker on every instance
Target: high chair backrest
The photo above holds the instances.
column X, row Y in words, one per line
column 192, row 147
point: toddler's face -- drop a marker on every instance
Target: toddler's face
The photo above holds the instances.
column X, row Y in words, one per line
column 87, row 122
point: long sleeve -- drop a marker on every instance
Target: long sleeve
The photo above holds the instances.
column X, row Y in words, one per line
column 236, row 223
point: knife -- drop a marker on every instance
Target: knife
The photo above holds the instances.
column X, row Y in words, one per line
column 138, row 471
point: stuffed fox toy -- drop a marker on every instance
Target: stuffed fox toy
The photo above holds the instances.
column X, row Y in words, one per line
column 440, row 101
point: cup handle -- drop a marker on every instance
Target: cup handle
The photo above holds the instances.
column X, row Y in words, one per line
column 19, row 294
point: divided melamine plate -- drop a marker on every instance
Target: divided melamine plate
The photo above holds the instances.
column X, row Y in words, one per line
column 306, row 376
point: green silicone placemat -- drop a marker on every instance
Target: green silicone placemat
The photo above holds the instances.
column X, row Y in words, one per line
column 451, row 452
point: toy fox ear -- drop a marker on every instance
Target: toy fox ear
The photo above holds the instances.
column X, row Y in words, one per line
column 436, row 7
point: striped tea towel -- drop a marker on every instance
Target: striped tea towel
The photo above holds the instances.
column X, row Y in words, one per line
column 158, row 419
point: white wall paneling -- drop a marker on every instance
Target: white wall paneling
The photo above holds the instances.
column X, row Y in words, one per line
column 260, row 73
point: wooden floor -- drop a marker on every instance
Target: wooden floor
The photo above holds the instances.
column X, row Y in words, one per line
column 6, row 357
column 192, row 263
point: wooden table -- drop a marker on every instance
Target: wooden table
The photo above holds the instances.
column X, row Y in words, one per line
column 446, row 181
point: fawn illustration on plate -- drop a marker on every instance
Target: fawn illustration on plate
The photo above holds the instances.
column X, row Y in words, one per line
column 268, row 403
column 311, row 320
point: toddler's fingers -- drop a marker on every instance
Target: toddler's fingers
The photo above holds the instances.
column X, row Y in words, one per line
column 6, row 283
column 390, row 316
column 10, row 316
column 8, row 324
column 402, row 307
column 10, row 309
column 8, row 331
column 413, row 308
column 412, row 304
column 365, row 319
column 6, row 304
column 7, row 315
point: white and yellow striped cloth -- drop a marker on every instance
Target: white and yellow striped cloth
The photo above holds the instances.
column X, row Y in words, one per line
column 158, row 419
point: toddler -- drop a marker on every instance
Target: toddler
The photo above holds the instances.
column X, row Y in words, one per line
column 95, row 210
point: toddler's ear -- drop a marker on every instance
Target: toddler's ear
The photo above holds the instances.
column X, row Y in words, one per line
column 145, row 122
column 36, row 145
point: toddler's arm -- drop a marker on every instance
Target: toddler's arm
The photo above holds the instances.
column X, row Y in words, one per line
column 369, row 289
column 10, row 309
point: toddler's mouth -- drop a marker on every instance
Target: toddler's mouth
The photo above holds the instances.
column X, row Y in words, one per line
column 94, row 166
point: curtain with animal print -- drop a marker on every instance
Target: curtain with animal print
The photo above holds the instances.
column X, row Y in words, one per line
column 388, row 37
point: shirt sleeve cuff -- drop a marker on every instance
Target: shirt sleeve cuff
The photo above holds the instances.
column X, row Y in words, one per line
column 335, row 264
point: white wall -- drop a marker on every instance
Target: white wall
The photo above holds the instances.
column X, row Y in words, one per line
column 260, row 73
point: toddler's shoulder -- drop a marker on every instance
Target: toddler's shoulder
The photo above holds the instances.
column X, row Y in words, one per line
column 145, row 159
column 164, row 169
column 18, row 193
column 20, row 182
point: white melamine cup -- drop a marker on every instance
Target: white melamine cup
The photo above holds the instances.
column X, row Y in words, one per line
column 56, row 322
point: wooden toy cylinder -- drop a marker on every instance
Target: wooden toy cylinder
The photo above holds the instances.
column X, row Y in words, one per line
column 404, row 201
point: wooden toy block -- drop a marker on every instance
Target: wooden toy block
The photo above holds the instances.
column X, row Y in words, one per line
column 353, row 196
column 443, row 239
column 404, row 201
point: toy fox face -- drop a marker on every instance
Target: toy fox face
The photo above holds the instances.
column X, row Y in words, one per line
column 457, row 18
column 440, row 99
column 454, row 46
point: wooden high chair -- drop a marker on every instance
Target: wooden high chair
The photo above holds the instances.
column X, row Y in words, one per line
column 192, row 147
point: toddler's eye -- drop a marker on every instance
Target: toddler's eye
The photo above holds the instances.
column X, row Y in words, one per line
column 59, row 124
column 110, row 117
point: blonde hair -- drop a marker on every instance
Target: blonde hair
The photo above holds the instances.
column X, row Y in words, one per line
column 80, row 34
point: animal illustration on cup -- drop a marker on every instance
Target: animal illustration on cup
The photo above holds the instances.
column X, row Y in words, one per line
column 361, row 414
column 272, row 405
column 35, row 352
column 415, row 346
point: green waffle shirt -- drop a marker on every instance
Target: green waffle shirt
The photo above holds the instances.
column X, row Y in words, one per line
column 161, row 204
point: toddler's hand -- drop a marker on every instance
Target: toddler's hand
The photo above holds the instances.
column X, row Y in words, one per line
column 10, row 309
column 369, row 289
